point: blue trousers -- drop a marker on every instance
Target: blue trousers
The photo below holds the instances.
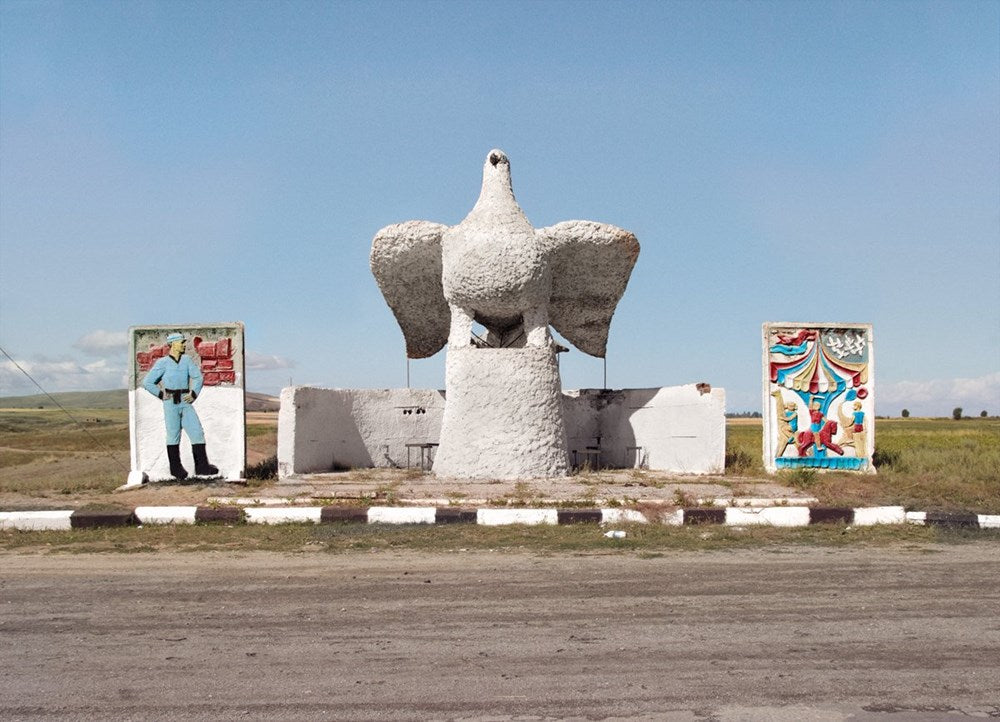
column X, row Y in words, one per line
column 182, row 416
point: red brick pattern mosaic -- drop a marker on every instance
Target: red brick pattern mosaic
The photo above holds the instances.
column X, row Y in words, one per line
column 216, row 359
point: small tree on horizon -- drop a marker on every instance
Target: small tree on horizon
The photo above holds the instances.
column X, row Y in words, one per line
column 905, row 414
column 983, row 413
column 957, row 413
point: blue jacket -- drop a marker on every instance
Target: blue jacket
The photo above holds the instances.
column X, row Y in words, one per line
column 180, row 375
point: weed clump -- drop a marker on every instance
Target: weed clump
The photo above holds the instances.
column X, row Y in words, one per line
column 800, row 478
column 738, row 461
column 886, row 458
column 265, row 470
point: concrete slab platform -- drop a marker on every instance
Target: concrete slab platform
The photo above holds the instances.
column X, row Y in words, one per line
column 406, row 487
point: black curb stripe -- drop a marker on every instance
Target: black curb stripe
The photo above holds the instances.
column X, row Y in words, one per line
column 704, row 516
column 830, row 515
column 453, row 515
column 223, row 514
column 941, row 518
column 87, row 519
column 333, row 514
column 579, row 516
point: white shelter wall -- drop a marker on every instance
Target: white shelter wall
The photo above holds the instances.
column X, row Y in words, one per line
column 680, row 428
column 328, row 429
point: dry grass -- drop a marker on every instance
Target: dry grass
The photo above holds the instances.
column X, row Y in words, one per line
column 927, row 464
column 45, row 454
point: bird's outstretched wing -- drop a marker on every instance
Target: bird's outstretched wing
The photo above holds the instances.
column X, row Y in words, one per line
column 591, row 264
column 406, row 262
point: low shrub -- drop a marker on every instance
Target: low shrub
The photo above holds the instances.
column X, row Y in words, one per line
column 264, row 470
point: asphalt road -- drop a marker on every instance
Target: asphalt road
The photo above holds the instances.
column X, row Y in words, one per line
column 789, row 635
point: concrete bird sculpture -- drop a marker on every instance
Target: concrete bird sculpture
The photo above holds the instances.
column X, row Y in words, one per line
column 503, row 412
column 496, row 269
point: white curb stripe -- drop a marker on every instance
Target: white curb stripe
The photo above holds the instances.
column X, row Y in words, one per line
column 916, row 517
column 283, row 515
column 166, row 514
column 989, row 521
column 401, row 515
column 36, row 520
column 768, row 515
column 622, row 516
column 499, row 517
column 674, row 518
column 879, row 515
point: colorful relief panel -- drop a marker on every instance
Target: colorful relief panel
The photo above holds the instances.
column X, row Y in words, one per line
column 186, row 401
column 818, row 401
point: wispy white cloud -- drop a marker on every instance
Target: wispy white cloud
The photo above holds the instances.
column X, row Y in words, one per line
column 263, row 362
column 938, row 397
column 103, row 343
column 54, row 375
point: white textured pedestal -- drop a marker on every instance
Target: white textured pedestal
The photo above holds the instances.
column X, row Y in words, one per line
column 503, row 418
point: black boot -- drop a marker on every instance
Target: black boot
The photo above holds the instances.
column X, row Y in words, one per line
column 201, row 465
column 174, row 455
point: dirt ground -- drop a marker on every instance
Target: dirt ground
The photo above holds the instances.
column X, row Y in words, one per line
column 790, row 634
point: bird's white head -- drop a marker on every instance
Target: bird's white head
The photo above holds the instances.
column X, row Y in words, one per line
column 496, row 176
column 497, row 157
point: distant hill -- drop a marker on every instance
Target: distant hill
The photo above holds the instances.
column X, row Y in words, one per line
column 113, row 399
column 262, row 402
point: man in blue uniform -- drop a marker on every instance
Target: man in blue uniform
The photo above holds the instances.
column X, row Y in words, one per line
column 181, row 383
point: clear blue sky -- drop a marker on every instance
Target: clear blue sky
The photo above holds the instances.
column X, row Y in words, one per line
column 179, row 162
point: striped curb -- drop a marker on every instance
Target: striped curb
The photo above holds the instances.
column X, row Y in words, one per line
column 600, row 502
column 783, row 516
column 939, row 518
